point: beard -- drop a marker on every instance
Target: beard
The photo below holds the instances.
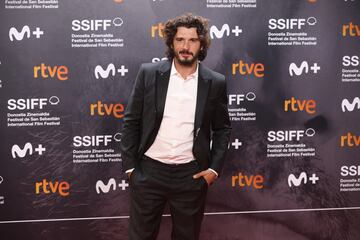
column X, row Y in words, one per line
column 186, row 61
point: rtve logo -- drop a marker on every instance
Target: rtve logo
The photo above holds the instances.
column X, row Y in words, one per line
column 95, row 140
column 95, row 24
column 352, row 30
column 251, row 181
column 59, row 72
column 48, row 187
column 17, row 151
column 157, row 30
column 289, row 135
column 256, row 69
column 290, row 23
column 102, row 109
column 302, row 179
column 100, row 72
column 101, row 187
column 14, row 34
column 294, row 105
column 239, row 98
column 31, row 103
column 294, row 69
column 346, row 105
column 350, row 171
column 350, row 61
column 350, row 140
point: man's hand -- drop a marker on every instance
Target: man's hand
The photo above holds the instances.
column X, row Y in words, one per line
column 208, row 175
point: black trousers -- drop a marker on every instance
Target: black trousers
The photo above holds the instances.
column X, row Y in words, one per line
column 152, row 185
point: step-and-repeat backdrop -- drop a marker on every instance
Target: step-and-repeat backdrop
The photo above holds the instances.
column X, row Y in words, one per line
column 293, row 74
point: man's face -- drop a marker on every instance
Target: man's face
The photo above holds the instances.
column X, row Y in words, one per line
column 186, row 46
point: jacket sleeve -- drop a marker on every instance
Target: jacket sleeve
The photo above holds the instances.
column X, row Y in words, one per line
column 132, row 125
column 221, row 130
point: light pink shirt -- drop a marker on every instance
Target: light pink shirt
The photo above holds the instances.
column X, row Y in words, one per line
column 174, row 141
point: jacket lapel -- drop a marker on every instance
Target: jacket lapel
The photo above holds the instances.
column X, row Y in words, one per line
column 161, row 87
column 162, row 83
column 204, row 83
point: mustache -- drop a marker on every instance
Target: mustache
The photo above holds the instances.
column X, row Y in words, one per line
column 186, row 52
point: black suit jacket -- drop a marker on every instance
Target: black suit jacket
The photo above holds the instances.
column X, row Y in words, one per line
column 145, row 110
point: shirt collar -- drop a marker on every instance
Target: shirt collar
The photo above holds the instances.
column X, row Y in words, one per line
column 175, row 72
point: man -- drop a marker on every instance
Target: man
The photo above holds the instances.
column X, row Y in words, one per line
column 175, row 109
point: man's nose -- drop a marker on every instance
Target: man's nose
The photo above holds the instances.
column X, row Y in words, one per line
column 186, row 45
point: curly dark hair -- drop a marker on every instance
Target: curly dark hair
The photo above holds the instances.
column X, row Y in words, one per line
column 187, row 20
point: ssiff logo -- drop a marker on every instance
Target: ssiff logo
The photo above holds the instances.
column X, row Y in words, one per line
column 95, row 140
column 101, row 72
column 294, row 69
column 289, row 135
column 59, row 72
column 301, row 179
column 239, row 98
column 346, row 105
column 352, row 170
column 14, row 34
column 101, row 187
column 17, row 151
column 31, row 103
column 292, row 23
column 95, row 24
column 350, row 61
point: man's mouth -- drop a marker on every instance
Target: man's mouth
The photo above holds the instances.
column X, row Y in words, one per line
column 186, row 54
